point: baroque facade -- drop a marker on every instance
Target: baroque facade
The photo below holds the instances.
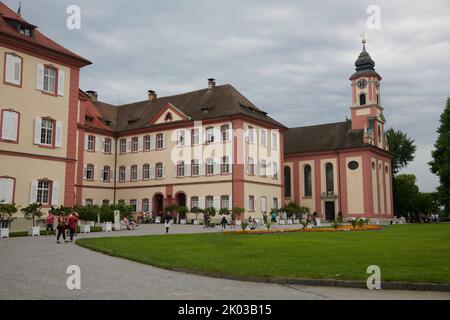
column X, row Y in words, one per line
column 210, row 147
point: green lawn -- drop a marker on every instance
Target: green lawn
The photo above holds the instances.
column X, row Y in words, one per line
column 413, row 253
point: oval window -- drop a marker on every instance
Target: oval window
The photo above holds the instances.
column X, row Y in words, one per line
column 353, row 165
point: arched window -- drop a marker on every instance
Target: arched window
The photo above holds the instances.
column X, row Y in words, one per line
column 122, row 173
column 362, row 99
column 379, row 134
column 159, row 170
column 146, row 171
column 308, row 180
column 329, row 177
column 146, row 143
column 287, row 181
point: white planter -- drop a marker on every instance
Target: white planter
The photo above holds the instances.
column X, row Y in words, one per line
column 4, row 233
column 238, row 223
column 282, row 222
column 296, row 221
column 158, row 220
column 318, row 222
column 107, row 227
column 85, row 228
column 289, row 221
column 196, row 222
column 34, row 231
column 183, row 221
column 92, row 223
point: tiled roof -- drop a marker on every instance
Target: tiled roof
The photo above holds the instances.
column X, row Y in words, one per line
column 220, row 101
column 37, row 38
column 323, row 137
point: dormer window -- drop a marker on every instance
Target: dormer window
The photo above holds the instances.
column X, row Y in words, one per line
column 25, row 31
column 89, row 118
column 132, row 121
column 205, row 110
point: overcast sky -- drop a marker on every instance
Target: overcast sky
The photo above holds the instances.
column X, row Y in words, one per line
column 290, row 58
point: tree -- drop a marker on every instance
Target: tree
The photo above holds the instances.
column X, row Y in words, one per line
column 427, row 203
column 440, row 165
column 402, row 147
column 7, row 211
column 406, row 194
column 32, row 212
column 196, row 211
column 182, row 212
column 236, row 212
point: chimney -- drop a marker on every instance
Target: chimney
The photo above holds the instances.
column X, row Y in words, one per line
column 92, row 94
column 211, row 83
column 151, row 95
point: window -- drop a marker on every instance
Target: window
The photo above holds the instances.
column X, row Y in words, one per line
column 209, row 202
column 274, row 141
column 47, row 132
column 195, row 167
column 250, row 135
column 105, row 202
column 123, row 146
column 122, row 174
column 329, row 177
column 251, row 203
column 307, row 176
column 194, row 202
column 134, row 144
column 7, row 185
column 10, row 125
column 250, row 167
column 224, row 201
column 225, row 167
column 379, row 133
column 91, row 143
column 362, row 99
column 43, row 192
column 180, row 169
column 146, row 143
column 159, row 170
column 107, row 146
column 106, row 174
column 353, row 165
column 50, row 74
column 134, row 173
column 146, row 171
column 181, row 138
column 262, row 137
column 145, row 205
column 275, row 170
column 275, row 203
column 262, row 168
column 90, row 172
column 121, row 201
column 209, row 135
column 263, row 204
column 209, row 166
column 89, row 202
column 160, row 141
column 287, row 182
column 133, row 203
column 224, row 130
column 13, row 69
column 195, row 136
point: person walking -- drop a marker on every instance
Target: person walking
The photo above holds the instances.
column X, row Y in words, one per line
column 73, row 222
column 274, row 216
column 50, row 221
column 224, row 222
column 62, row 226
column 205, row 220
column 167, row 223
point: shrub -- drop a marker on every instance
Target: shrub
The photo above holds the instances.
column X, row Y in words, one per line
column 335, row 223
column 211, row 211
column 196, row 211
column 32, row 212
column 224, row 211
column 354, row 222
column 236, row 211
column 88, row 212
column 244, row 225
column 182, row 212
column 6, row 214
column 268, row 225
column 304, row 223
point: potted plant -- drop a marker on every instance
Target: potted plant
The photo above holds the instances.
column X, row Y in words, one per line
column 6, row 217
column 182, row 211
column 196, row 211
column 211, row 212
column 236, row 214
column 170, row 210
column 32, row 212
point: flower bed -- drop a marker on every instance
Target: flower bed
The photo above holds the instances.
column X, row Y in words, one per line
column 327, row 229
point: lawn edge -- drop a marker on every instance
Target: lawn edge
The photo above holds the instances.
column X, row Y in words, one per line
column 386, row 285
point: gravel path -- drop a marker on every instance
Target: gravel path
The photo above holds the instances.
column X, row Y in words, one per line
column 35, row 268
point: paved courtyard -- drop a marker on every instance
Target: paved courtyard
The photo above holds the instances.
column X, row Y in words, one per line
column 35, row 268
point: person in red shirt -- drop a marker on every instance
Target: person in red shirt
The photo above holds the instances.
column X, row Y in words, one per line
column 73, row 222
column 50, row 220
column 62, row 226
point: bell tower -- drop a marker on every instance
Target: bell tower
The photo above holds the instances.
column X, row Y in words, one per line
column 367, row 113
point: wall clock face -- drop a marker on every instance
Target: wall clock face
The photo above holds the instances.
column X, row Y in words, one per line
column 362, row 83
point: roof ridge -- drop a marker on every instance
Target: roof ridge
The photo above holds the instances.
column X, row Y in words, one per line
column 318, row 125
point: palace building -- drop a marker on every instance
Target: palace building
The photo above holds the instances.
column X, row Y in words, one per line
column 207, row 148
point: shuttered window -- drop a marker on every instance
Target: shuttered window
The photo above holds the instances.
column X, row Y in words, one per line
column 10, row 125
column 13, row 69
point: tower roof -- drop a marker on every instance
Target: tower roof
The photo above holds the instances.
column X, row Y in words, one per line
column 365, row 66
